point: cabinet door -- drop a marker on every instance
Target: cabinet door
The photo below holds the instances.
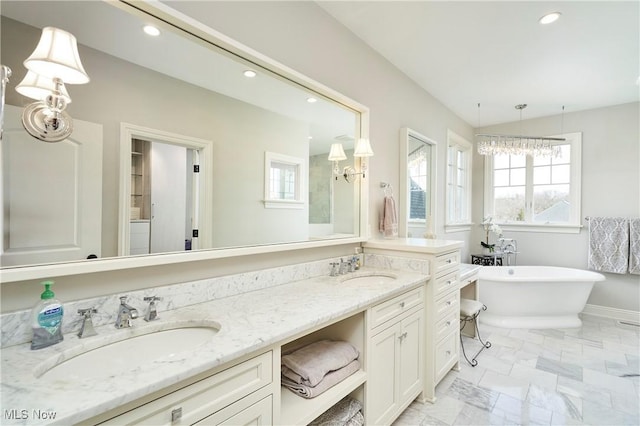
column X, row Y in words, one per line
column 382, row 392
column 411, row 356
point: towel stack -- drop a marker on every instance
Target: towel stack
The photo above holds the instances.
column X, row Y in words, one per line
column 347, row 412
column 311, row 370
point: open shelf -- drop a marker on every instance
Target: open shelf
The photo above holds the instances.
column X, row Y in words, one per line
column 296, row 410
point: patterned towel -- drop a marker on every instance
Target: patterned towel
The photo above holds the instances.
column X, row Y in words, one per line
column 609, row 244
column 634, row 246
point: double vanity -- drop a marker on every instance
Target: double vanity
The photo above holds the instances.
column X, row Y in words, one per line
column 218, row 362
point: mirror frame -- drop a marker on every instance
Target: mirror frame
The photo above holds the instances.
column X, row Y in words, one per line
column 403, row 220
column 173, row 18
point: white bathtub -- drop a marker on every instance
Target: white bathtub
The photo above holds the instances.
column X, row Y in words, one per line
column 534, row 296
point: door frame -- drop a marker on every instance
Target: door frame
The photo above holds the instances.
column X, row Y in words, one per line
column 204, row 207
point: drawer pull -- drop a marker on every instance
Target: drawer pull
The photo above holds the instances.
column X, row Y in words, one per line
column 448, row 352
column 449, row 260
column 449, row 302
column 402, row 336
column 402, row 304
column 448, row 323
column 449, row 282
column 176, row 414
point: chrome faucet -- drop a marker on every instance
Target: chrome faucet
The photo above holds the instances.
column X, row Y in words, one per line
column 126, row 313
column 152, row 311
column 344, row 267
column 509, row 247
column 334, row 269
column 87, row 330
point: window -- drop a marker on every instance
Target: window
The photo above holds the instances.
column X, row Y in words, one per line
column 284, row 181
column 536, row 192
column 458, row 182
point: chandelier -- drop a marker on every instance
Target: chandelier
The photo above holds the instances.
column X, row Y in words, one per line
column 535, row 146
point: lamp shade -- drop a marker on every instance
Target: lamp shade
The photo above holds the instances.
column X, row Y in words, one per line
column 337, row 153
column 363, row 148
column 56, row 55
column 38, row 87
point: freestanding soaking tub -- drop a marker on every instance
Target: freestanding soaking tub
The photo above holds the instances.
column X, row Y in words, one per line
column 534, row 296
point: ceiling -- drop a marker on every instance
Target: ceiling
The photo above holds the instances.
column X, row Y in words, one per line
column 498, row 55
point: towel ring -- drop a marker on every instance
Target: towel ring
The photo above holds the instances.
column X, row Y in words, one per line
column 388, row 189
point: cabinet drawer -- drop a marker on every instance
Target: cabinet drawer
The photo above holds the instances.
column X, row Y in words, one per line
column 447, row 304
column 447, row 261
column 446, row 283
column 446, row 355
column 447, row 325
column 394, row 307
column 202, row 398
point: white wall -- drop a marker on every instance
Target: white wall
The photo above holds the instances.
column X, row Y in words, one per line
column 610, row 187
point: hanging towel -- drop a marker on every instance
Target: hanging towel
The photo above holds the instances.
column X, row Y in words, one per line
column 609, row 244
column 308, row 365
column 389, row 218
column 634, row 246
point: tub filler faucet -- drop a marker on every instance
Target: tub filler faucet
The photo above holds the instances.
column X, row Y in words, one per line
column 126, row 313
column 508, row 246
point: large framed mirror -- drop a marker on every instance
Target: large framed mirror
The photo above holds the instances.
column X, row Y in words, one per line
column 187, row 93
column 418, row 157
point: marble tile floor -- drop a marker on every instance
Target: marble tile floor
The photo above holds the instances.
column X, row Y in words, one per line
column 580, row 376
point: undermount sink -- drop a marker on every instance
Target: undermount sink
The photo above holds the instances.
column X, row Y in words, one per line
column 115, row 358
column 369, row 278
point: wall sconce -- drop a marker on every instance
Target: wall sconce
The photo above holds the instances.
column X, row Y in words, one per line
column 363, row 150
column 54, row 62
column 336, row 154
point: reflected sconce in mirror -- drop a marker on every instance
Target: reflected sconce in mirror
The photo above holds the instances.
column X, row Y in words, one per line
column 336, row 154
column 363, row 150
column 54, row 62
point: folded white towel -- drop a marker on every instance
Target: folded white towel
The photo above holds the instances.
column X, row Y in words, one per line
column 332, row 378
column 634, row 246
column 609, row 244
column 309, row 365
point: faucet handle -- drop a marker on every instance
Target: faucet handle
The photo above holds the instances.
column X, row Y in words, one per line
column 151, row 299
column 123, row 299
column 87, row 312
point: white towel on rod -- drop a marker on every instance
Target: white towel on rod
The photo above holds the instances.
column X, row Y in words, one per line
column 609, row 244
column 634, row 246
column 389, row 218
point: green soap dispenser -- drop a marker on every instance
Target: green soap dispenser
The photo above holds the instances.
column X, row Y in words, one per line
column 46, row 319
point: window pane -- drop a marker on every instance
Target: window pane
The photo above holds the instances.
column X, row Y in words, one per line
column 509, row 204
column 518, row 176
column 418, row 204
column 541, row 161
column 551, row 203
column 500, row 161
column 541, row 175
column 561, row 174
column 518, row 160
column 501, row 178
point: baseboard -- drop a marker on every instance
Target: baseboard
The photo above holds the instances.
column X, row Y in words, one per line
column 614, row 313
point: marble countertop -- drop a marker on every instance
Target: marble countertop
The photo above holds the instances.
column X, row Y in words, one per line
column 416, row 245
column 249, row 322
column 467, row 269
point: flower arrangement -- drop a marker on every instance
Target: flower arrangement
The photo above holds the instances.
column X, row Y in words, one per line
column 489, row 226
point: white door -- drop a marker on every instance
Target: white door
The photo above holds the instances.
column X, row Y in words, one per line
column 53, row 215
column 168, row 197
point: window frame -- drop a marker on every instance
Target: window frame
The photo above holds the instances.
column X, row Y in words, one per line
column 574, row 225
column 298, row 202
column 462, row 145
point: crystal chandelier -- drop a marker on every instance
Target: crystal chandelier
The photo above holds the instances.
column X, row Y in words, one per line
column 536, row 146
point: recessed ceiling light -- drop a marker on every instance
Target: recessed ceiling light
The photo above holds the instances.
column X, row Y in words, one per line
column 151, row 30
column 312, row 100
column 549, row 18
column 250, row 73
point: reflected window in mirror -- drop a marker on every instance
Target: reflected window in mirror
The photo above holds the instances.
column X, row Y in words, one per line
column 284, row 181
column 459, row 155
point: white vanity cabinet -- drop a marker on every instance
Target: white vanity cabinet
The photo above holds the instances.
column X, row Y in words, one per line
column 441, row 261
column 395, row 358
column 238, row 394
